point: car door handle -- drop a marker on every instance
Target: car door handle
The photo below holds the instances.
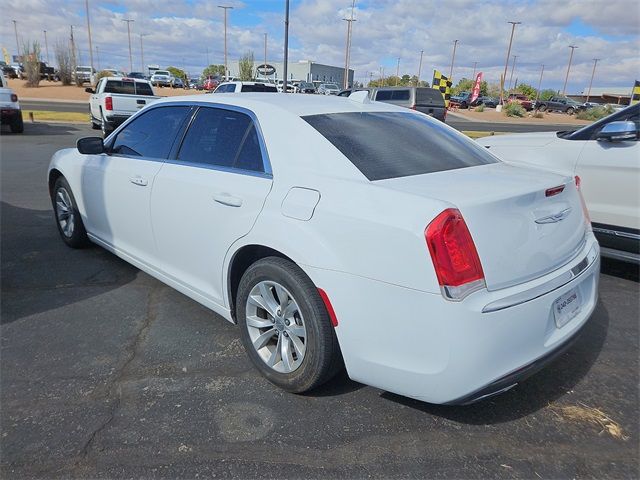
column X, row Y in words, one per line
column 228, row 200
column 139, row 181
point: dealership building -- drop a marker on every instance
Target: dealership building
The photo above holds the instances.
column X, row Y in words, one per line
column 304, row 70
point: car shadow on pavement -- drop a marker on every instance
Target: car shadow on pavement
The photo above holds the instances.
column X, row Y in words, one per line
column 534, row 393
column 36, row 129
column 617, row 268
column 40, row 273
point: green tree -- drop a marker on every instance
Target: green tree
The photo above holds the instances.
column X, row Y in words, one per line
column 245, row 67
column 213, row 71
column 177, row 72
column 547, row 94
column 464, row 85
column 527, row 90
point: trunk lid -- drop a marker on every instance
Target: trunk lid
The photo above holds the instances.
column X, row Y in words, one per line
column 5, row 96
column 516, row 228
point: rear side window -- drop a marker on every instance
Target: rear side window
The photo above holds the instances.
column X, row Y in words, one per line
column 399, row 95
column 222, row 138
column 143, row 89
column 392, row 144
column 383, row 95
column 429, row 96
column 259, row 87
column 151, row 134
column 120, row 86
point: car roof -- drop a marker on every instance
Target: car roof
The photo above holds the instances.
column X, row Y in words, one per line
column 139, row 80
column 298, row 105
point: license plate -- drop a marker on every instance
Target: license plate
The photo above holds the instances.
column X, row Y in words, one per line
column 567, row 307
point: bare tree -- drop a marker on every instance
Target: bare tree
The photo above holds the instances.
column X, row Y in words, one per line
column 245, row 67
column 31, row 62
column 66, row 62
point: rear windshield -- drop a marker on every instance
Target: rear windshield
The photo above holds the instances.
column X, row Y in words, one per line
column 127, row 87
column 393, row 144
column 429, row 96
column 258, row 87
column 396, row 94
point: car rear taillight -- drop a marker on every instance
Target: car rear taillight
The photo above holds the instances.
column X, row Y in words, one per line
column 584, row 205
column 14, row 97
column 454, row 255
column 108, row 103
column 550, row 192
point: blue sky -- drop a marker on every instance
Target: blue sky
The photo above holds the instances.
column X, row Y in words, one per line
column 178, row 32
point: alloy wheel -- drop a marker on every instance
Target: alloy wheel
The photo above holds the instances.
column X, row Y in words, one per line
column 64, row 212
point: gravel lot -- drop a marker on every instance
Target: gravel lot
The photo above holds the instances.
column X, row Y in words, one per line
column 108, row 373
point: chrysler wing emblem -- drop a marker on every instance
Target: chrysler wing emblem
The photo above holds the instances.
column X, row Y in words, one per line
column 556, row 217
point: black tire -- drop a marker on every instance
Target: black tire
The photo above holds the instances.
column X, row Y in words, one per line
column 570, row 111
column 464, row 105
column 543, row 108
column 322, row 358
column 17, row 126
column 78, row 237
column 94, row 125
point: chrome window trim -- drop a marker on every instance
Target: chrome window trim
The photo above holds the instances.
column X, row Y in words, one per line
column 266, row 161
column 519, row 298
column 617, row 233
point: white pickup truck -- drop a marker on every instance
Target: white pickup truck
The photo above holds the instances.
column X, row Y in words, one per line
column 117, row 98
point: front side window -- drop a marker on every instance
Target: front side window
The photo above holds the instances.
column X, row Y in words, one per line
column 386, row 145
column 222, row 138
column 151, row 134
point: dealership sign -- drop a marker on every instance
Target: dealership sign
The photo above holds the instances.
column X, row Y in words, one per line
column 266, row 69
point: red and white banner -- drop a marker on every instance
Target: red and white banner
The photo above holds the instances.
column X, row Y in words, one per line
column 476, row 88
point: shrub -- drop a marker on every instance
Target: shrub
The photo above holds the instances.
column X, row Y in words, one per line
column 102, row 73
column 538, row 114
column 514, row 109
column 479, row 108
column 66, row 62
column 31, row 62
column 595, row 113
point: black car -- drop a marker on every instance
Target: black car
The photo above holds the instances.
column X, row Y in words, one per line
column 463, row 99
column 491, row 102
column 306, row 87
column 177, row 82
column 139, row 75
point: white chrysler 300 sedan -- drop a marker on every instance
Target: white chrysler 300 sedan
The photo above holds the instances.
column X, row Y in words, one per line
column 339, row 230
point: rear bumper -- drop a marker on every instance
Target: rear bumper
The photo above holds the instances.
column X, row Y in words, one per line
column 421, row 346
column 9, row 115
column 115, row 120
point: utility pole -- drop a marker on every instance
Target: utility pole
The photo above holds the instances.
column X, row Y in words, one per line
column 420, row 67
column 513, row 66
column 370, row 78
column 381, row 77
column 347, row 53
column 504, row 76
column 86, row 6
column 566, row 78
column 15, row 28
column 593, row 72
column 539, row 83
column 129, row 34
column 264, row 71
column 73, row 48
column 98, row 58
column 398, row 72
column 475, row 64
column 208, row 63
column 286, row 46
column 142, row 52
column 46, row 45
column 226, row 69
column 453, row 57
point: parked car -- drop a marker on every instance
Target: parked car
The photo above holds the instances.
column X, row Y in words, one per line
column 389, row 246
column 211, row 83
column 161, row 78
column 423, row 99
column 522, row 99
column 560, row 104
column 291, row 87
column 7, row 70
column 306, row 87
column 83, row 74
column 237, row 87
column 605, row 156
column 349, row 91
column 115, row 99
column 463, row 99
column 487, row 101
column 177, row 82
column 138, row 75
column 10, row 112
column 328, row 89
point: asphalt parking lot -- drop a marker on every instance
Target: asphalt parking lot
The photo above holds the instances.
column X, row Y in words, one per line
column 108, row 373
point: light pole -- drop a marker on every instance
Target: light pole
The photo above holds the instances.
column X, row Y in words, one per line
column 129, row 34
column 142, row 51
column 539, row 83
column 347, row 53
column 46, row 45
column 475, row 64
column 398, row 72
column 286, row 46
column 453, row 57
column 15, row 28
column 513, row 67
column 504, row 76
column 98, row 57
column 420, row 67
column 566, row 78
column 73, row 47
column 382, row 76
column 225, row 8
column 86, row 6
column 593, row 72
column 264, row 71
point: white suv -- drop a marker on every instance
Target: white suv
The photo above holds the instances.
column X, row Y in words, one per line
column 237, row 87
column 11, row 113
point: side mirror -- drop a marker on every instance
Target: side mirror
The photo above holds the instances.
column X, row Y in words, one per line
column 89, row 90
column 618, row 132
column 90, row 146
